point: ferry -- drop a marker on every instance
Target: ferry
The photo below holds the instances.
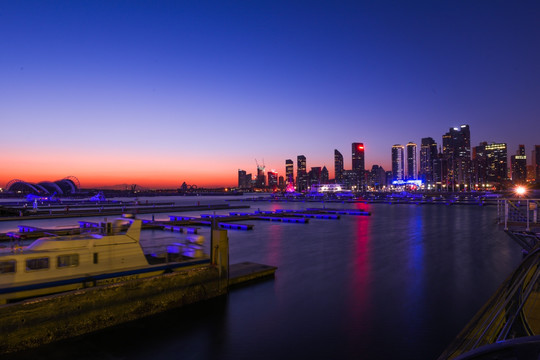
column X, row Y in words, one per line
column 62, row 263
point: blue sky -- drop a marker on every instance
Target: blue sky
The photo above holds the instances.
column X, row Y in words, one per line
column 161, row 92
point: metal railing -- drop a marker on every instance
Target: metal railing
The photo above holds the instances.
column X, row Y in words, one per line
column 518, row 212
column 509, row 315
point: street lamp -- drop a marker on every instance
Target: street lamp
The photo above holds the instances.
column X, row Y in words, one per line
column 520, row 190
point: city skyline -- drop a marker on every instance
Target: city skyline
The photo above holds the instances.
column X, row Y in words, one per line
column 158, row 94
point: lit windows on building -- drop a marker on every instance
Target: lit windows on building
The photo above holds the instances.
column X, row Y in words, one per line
column 411, row 161
column 397, row 162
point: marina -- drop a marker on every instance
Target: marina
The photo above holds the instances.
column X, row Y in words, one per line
column 356, row 255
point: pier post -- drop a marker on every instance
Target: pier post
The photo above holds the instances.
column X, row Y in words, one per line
column 506, row 214
column 219, row 255
column 528, row 211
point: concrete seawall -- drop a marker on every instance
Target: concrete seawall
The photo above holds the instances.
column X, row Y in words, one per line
column 35, row 322
column 38, row 321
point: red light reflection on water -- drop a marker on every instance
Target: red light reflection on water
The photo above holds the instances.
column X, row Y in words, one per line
column 359, row 301
column 274, row 245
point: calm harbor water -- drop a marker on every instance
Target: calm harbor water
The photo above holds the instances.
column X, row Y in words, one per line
column 398, row 284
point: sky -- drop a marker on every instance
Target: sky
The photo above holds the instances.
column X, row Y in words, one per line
column 157, row 93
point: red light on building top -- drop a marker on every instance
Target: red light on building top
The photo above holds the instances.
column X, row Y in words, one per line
column 360, row 147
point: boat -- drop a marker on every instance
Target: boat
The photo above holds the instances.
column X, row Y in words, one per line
column 62, row 263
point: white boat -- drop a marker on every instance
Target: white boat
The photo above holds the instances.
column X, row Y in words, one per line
column 62, row 263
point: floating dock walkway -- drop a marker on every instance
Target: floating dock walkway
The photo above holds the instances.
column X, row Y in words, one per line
column 192, row 224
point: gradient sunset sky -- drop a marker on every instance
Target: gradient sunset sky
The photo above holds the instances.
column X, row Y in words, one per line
column 156, row 93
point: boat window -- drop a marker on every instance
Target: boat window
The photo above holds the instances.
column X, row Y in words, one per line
column 7, row 267
column 37, row 264
column 68, row 260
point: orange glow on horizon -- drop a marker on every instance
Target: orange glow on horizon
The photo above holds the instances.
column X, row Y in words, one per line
column 150, row 182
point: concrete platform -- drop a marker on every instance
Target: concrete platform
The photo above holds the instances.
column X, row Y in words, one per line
column 247, row 271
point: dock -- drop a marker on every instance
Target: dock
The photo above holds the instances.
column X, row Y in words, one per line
column 192, row 224
column 246, row 272
column 45, row 319
column 115, row 209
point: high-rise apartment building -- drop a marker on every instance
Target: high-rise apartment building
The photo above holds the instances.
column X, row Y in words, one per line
column 480, row 165
column 397, row 162
column 289, row 171
column 358, row 162
column 301, row 174
column 518, row 164
column 324, row 175
column 315, row 175
column 377, row 177
column 244, row 181
column 457, row 152
column 490, row 164
column 412, row 170
column 428, row 154
column 260, row 182
column 338, row 166
column 497, row 155
column 350, row 180
column 272, row 179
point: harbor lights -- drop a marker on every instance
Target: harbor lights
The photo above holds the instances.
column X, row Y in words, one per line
column 520, row 190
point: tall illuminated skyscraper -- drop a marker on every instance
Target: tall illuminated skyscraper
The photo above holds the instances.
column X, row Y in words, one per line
column 412, row 170
column 457, row 153
column 261, row 176
column 338, row 166
column 272, row 179
column 518, row 164
column 289, row 171
column 358, row 162
column 301, row 174
column 397, row 162
column 428, row 155
column 490, row 164
column 243, row 181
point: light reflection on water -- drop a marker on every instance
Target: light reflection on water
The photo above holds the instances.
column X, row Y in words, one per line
column 402, row 282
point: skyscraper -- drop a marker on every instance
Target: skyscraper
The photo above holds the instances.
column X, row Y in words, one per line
column 428, row 154
column 338, row 166
column 397, row 162
column 301, row 174
column 411, row 161
column 261, row 176
column 457, row 152
column 289, row 171
column 272, row 179
column 518, row 164
column 242, row 179
column 497, row 155
column 480, row 165
column 324, row 175
column 358, row 163
column 315, row 175
column 377, row 177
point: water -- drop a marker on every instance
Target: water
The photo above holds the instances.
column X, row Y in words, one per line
column 398, row 284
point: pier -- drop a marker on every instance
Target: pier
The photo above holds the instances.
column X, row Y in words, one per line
column 508, row 325
column 191, row 224
column 56, row 211
column 41, row 320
